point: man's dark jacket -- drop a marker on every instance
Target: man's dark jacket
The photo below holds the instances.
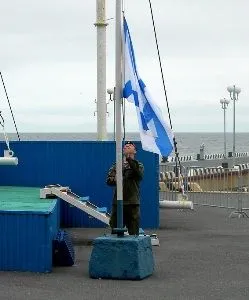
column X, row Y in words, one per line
column 132, row 175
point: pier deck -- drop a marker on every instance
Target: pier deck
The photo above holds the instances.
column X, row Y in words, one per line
column 203, row 254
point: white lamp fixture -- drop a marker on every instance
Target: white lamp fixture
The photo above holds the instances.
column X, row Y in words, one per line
column 110, row 91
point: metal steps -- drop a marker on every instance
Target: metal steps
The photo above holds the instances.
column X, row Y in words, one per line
column 82, row 203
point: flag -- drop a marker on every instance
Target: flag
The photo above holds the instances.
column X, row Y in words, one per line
column 156, row 136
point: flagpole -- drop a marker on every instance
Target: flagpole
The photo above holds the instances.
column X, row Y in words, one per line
column 118, row 100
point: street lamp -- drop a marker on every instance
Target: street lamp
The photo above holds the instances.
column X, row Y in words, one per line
column 234, row 95
column 224, row 103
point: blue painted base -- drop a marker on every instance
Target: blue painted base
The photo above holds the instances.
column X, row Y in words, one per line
column 128, row 257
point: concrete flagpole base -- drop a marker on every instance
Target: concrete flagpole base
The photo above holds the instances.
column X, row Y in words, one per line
column 127, row 257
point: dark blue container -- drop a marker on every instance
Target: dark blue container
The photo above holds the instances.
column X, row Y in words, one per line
column 63, row 250
column 26, row 239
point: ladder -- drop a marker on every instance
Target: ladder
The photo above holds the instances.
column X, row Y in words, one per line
column 82, row 203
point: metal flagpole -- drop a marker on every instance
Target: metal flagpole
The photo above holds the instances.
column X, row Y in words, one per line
column 118, row 100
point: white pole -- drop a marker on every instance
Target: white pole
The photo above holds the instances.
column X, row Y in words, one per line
column 225, row 144
column 176, row 204
column 101, row 69
column 118, row 100
column 234, row 99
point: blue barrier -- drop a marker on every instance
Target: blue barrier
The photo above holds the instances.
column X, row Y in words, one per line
column 83, row 166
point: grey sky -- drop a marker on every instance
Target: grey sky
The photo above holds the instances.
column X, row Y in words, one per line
column 48, row 60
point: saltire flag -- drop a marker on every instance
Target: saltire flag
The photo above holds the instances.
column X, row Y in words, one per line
column 156, row 136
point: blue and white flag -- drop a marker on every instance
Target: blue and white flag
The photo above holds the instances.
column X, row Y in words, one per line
column 156, row 136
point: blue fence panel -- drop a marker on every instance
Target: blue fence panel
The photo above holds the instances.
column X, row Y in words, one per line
column 83, row 166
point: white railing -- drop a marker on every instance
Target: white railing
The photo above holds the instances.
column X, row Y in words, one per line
column 217, row 187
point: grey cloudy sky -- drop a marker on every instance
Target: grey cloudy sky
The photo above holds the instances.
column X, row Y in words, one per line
column 48, row 61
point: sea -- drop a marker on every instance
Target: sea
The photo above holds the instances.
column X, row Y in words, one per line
column 188, row 143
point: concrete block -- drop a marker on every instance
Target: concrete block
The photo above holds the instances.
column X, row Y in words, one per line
column 128, row 257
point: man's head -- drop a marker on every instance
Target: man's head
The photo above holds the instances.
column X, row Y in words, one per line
column 129, row 149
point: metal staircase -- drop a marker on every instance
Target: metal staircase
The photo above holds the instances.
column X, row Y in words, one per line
column 82, row 203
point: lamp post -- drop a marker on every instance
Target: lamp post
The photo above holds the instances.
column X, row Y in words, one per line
column 224, row 103
column 234, row 95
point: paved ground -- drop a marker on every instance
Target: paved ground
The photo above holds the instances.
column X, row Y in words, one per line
column 203, row 255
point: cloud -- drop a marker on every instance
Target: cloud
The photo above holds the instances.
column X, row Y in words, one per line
column 48, row 60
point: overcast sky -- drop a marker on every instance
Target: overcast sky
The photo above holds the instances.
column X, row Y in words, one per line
column 48, row 61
